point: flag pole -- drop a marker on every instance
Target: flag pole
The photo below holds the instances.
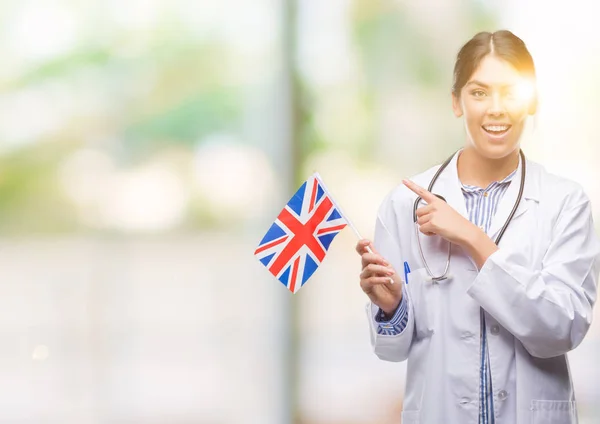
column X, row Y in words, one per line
column 337, row 206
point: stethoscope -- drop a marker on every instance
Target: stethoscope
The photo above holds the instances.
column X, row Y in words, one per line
column 433, row 180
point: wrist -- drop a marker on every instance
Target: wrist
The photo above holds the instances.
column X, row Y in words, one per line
column 479, row 246
column 469, row 236
column 389, row 313
column 473, row 237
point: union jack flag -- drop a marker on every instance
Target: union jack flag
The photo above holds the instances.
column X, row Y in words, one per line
column 298, row 240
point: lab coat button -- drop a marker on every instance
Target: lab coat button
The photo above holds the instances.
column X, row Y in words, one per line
column 502, row 394
column 495, row 330
column 465, row 401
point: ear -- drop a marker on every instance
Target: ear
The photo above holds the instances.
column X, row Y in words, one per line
column 456, row 106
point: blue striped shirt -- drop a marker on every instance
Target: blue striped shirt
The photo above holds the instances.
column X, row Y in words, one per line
column 397, row 323
column 481, row 204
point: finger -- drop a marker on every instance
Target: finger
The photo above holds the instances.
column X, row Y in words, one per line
column 377, row 270
column 427, row 229
column 368, row 283
column 422, row 220
column 427, row 209
column 420, row 191
column 372, row 258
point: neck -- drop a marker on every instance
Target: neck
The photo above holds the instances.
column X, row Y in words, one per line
column 479, row 171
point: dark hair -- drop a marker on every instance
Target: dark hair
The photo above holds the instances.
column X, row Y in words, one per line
column 503, row 44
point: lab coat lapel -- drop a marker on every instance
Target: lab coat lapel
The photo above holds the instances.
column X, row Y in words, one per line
column 448, row 185
column 510, row 197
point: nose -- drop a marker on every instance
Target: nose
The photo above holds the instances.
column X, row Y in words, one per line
column 496, row 106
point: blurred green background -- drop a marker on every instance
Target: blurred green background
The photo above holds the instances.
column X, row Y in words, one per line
column 145, row 148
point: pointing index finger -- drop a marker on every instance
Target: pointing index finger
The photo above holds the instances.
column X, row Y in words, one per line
column 420, row 191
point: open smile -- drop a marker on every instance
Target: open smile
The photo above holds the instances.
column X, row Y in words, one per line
column 497, row 131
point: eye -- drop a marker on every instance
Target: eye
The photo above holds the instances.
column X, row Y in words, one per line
column 478, row 93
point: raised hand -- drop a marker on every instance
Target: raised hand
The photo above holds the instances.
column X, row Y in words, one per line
column 439, row 218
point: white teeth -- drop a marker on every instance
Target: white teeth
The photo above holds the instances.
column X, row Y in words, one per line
column 497, row 128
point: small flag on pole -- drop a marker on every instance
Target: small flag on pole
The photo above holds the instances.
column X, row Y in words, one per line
column 298, row 240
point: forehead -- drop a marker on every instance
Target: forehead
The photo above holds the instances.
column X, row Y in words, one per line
column 494, row 71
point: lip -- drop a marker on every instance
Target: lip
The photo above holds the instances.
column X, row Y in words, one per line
column 496, row 137
column 508, row 124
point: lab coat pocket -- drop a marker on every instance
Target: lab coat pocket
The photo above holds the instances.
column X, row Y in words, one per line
column 421, row 293
column 410, row 417
column 553, row 412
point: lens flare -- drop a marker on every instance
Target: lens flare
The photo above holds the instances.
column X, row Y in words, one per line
column 524, row 91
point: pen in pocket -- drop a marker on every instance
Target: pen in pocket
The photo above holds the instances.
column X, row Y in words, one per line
column 406, row 271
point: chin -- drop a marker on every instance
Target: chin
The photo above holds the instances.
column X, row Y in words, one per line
column 495, row 151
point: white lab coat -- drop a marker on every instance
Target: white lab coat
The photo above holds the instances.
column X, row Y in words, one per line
column 537, row 292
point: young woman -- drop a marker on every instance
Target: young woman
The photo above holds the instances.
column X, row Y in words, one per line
column 504, row 262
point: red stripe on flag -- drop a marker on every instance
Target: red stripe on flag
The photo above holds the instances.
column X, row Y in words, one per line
column 326, row 230
column 303, row 235
column 268, row 246
column 294, row 274
column 312, row 197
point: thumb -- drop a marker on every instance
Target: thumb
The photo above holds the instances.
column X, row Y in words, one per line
column 364, row 246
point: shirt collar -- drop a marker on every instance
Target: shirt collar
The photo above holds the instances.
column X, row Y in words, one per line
column 505, row 181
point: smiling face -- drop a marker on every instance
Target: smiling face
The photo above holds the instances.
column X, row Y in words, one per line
column 495, row 103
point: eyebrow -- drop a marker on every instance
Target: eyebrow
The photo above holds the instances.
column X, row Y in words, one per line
column 484, row 85
column 475, row 82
